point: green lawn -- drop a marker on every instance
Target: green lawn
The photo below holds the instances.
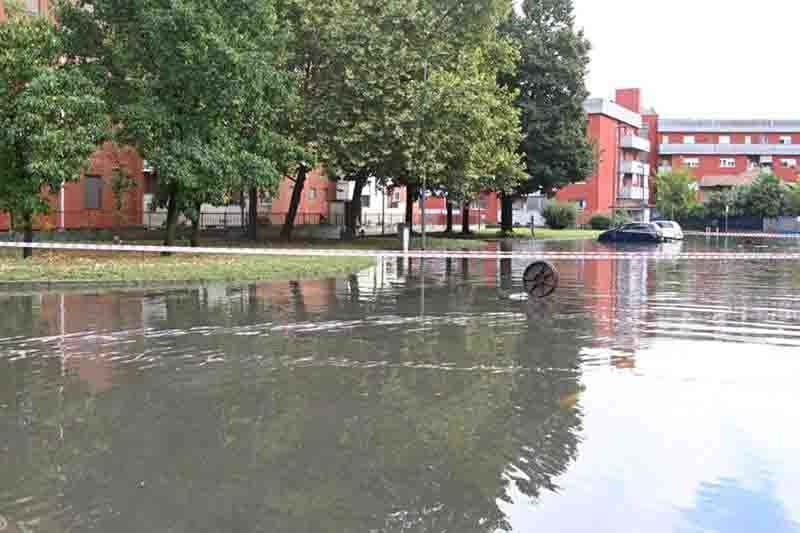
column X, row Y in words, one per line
column 54, row 266
column 544, row 234
column 134, row 267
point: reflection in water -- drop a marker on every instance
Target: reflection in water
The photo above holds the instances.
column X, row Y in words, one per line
column 337, row 406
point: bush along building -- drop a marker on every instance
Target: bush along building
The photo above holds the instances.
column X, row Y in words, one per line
column 634, row 144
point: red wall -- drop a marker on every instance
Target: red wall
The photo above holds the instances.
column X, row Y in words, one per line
column 736, row 138
column 319, row 205
column 710, row 166
column 630, row 99
column 76, row 216
column 598, row 190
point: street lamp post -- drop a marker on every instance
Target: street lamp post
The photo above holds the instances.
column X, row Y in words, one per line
column 422, row 166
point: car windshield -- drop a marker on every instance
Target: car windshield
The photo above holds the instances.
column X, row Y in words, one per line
column 636, row 227
column 665, row 224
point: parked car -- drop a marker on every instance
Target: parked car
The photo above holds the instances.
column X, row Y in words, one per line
column 638, row 232
column 672, row 230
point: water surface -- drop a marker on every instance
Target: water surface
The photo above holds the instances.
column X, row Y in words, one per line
column 645, row 396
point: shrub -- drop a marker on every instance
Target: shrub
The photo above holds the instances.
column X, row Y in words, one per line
column 620, row 218
column 560, row 215
column 600, row 222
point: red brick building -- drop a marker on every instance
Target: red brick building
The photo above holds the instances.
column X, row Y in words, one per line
column 90, row 202
column 634, row 145
column 622, row 137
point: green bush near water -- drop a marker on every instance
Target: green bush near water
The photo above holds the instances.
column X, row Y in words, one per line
column 560, row 215
column 600, row 222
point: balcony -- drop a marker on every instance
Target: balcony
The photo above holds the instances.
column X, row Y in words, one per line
column 635, row 167
column 634, row 142
column 634, row 193
column 730, row 149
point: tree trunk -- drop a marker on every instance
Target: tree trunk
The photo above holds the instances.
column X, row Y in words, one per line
column 172, row 218
column 465, row 219
column 195, row 240
column 354, row 214
column 27, row 230
column 449, row 229
column 252, row 215
column 297, row 196
column 506, row 213
column 411, row 193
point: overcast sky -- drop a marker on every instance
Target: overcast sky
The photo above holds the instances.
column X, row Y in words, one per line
column 698, row 58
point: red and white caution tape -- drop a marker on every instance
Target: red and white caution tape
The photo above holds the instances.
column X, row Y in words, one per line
column 413, row 254
column 749, row 235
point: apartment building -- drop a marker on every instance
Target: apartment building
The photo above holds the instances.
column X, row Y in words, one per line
column 634, row 144
column 726, row 153
column 621, row 133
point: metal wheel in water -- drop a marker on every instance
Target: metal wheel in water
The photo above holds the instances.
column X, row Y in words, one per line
column 540, row 279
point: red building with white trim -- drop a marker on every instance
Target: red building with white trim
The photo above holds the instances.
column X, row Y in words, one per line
column 633, row 145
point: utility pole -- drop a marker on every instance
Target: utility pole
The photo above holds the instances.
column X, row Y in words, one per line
column 422, row 167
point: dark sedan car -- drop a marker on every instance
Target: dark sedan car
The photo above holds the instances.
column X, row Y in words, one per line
column 640, row 232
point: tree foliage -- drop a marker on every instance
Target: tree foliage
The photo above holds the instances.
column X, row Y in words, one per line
column 766, row 197
column 196, row 87
column 794, row 198
column 560, row 215
column 675, row 193
column 367, row 108
column 551, row 80
column 52, row 118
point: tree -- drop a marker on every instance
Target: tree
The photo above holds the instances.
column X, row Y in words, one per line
column 363, row 83
column 675, row 193
column 195, row 87
column 721, row 203
column 551, row 80
column 470, row 129
column 767, row 197
column 52, row 118
column 794, row 198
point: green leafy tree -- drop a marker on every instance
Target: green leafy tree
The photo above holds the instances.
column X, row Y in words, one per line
column 675, row 193
column 470, row 130
column 551, row 80
column 52, row 118
column 719, row 203
column 196, row 87
column 560, row 215
column 794, row 198
column 766, row 197
column 364, row 85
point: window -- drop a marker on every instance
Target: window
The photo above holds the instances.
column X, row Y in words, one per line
column 312, row 193
column 665, row 139
column 93, row 192
column 764, row 139
column 691, row 162
column 688, row 139
column 150, row 183
column 395, row 202
column 365, row 201
column 786, row 139
column 789, row 163
column 32, row 6
column 727, row 162
column 582, row 204
column 748, row 139
column 724, row 139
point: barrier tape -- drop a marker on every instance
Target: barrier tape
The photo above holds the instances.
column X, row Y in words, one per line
column 412, row 254
column 751, row 235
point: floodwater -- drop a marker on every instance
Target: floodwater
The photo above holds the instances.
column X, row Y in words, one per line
column 644, row 396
